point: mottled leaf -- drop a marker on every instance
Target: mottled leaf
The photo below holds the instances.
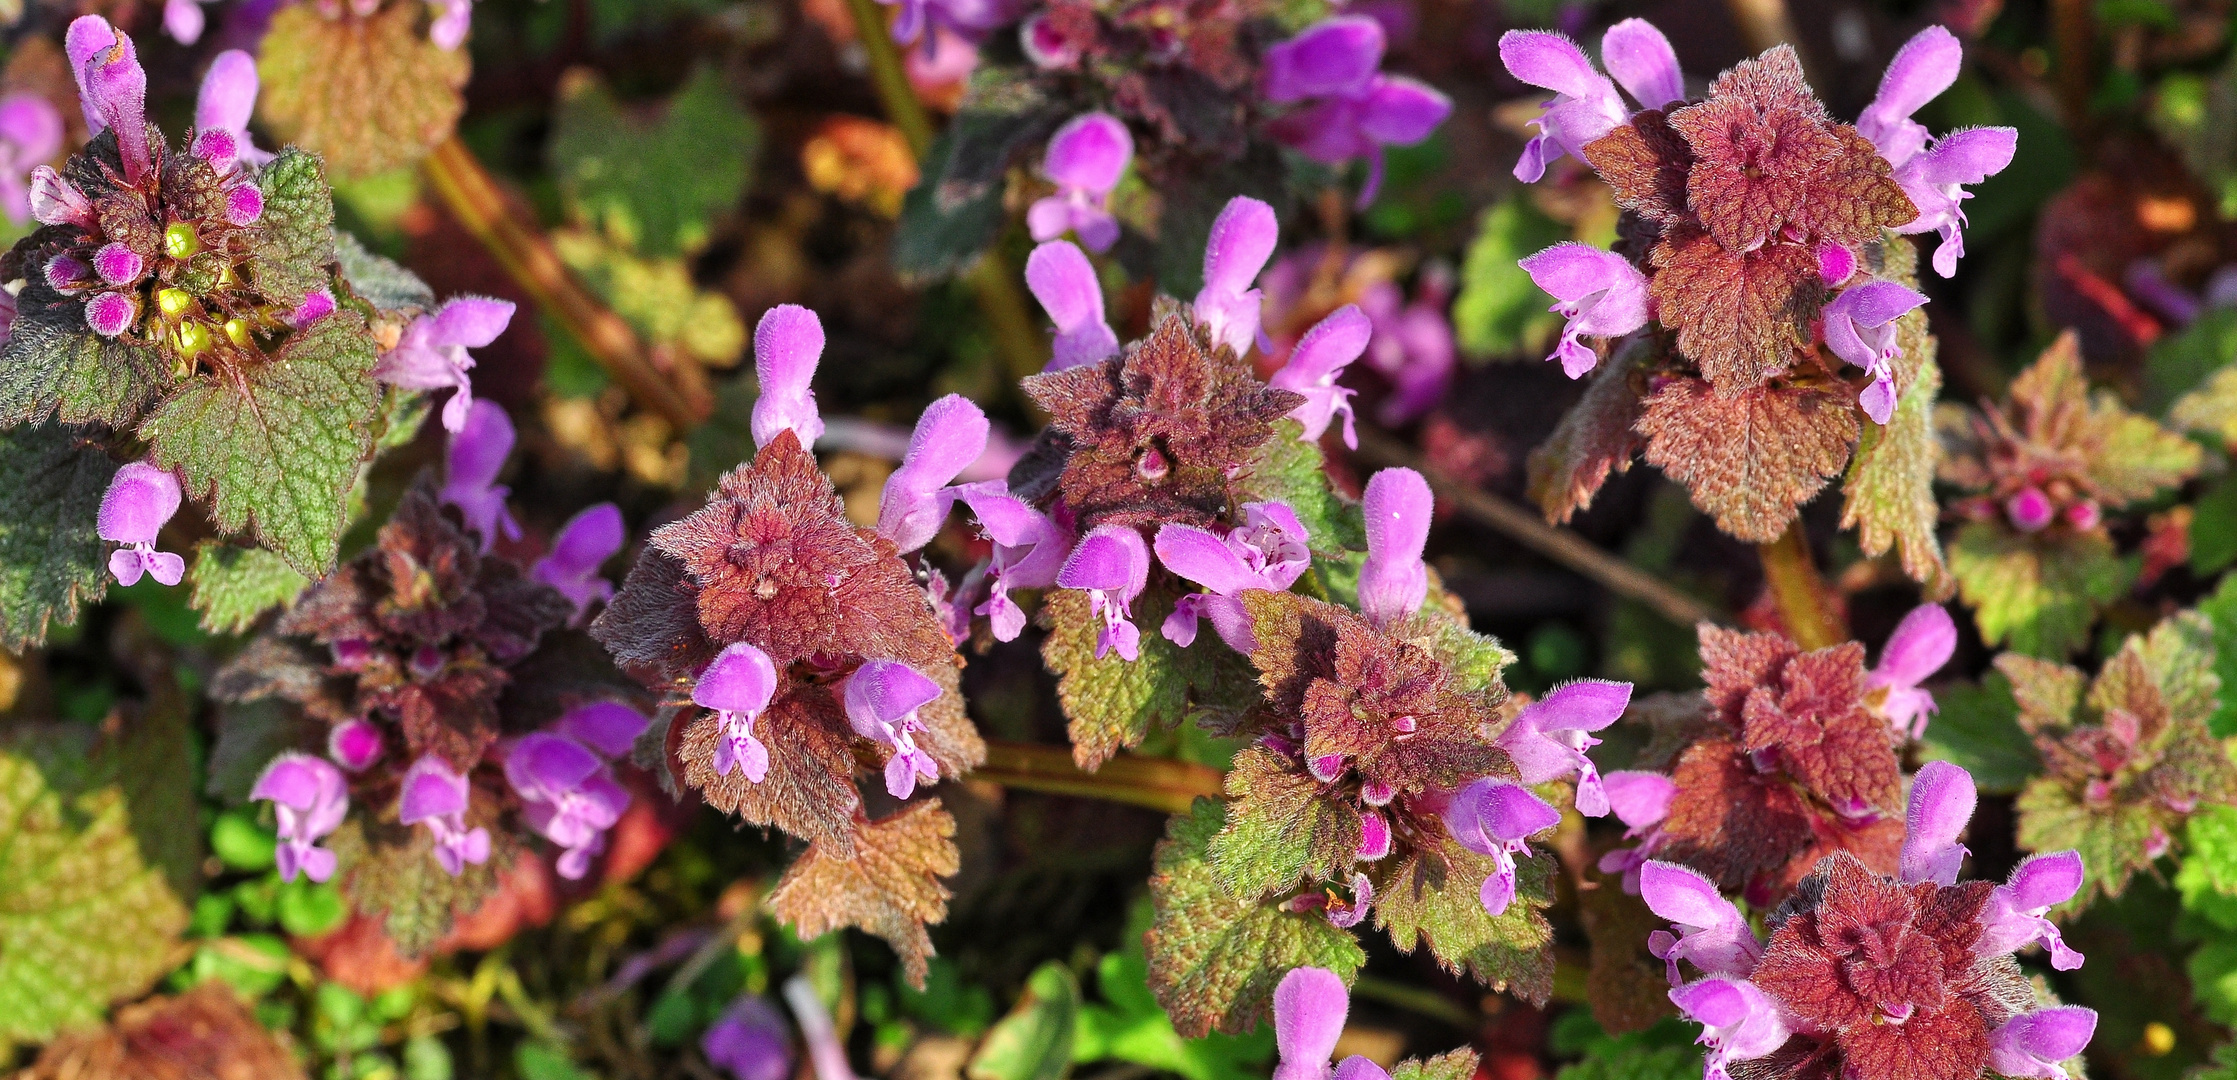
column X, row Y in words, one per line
column 656, row 185
column 53, row 364
column 1749, row 460
column 1890, row 485
column 235, row 586
column 1433, row 898
column 294, row 241
column 1739, row 316
column 1286, row 468
column 1451, row 1065
column 370, row 94
column 389, row 873
column 1111, row 704
column 2037, row 594
column 51, row 558
column 1596, row 437
column 889, row 885
column 1281, row 831
column 377, row 280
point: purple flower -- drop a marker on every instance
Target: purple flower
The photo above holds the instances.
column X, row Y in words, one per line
column 1920, row 645
column 582, row 546
column 1112, row 565
column 968, row 18
column 1393, row 582
column 113, row 89
column 2030, row 510
column 118, row 265
column 1266, row 552
column 1309, row 1008
column 883, row 697
column 608, row 727
column 183, row 20
column 1739, row 1022
column 738, row 687
column 2017, row 912
column 225, row 103
column 786, row 346
column 1643, row 62
column 1942, row 801
column 140, row 499
column 567, row 795
column 1640, row 800
column 1045, row 45
column 949, row 437
column 1599, row 292
column 1860, row 328
column 317, row 304
column 355, row 744
column 1711, row 935
column 1585, row 104
column 1316, row 362
column 1241, row 241
column 1064, row 282
column 448, row 31
column 435, row 794
column 1548, row 741
column 476, row 455
column 310, row 798
column 56, row 201
column 1925, row 66
column 1085, row 159
column 1497, row 817
column 1413, row 345
column 1029, row 551
column 750, row 1042
column 1358, row 110
column 110, row 313
column 2037, row 1044
column 1935, row 180
column 30, row 133
column 431, row 354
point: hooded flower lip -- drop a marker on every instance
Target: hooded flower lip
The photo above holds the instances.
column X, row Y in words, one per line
column 1241, row 241
column 1266, row 552
column 1393, row 582
column 1860, row 328
column 608, row 727
column 2017, row 912
column 750, row 1042
column 1585, row 104
column 1599, row 292
column 1942, row 801
column 1315, row 364
column 1739, row 1022
column 140, row 499
column 1085, row 159
column 476, row 455
column 310, row 797
column 2037, row 1044
column 1712, row 935
column 567, row 795
column 1497, row 817
column 1641, row 800
column 226, row 101
column 113, row 88
column 431, row 354
column 1112, row 565
column 1925, row 66
column 1309, row 1008
column 1029, row 549
column 1356, row 109
column 583, row 545
column 1064, row 282
column 1933, row 175
column 950, row 435
column 434, row 794
column 30, row 133
column 882, row 699
column 1549, row 739
column 787, row 344
column 738, row 687
column 1923, row 642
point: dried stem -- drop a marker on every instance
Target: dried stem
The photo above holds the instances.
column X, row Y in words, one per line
column 518, row 245
column 1559, row 544
column 1803, row 602
column 1157, row 783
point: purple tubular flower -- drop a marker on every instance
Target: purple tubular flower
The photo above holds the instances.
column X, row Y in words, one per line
column 950, row 436
column 2017, row 912
column 1643, row 62
column 1585, row 104
column 1640, row 800
column 750, row 1042
column 1242, row 239
column 140, row 499
column 1925, row 66
column 1548, row 741
column 1942, row 801
column 1412, row 346
column 882, row 698
column 1335, row 56
column 225, row 103
column 1064, row 282
column 1739, row 1022
column 1309, row 1008
column 108, row 314
column 1935, row 180
column 1359, row 110
column 355, row 744
column 30, row 133
column 1923, row 642
column 582, row 546
column 1266, row 552
column 56, row 201
column 738, row 686
column 1599, row 292
column 431, row 354
column 1319, row 358
column 608, row 727
column 316, row 305
column 448, row 31
column 476, row 455
column 567, row 794
column 1374, row 836
column 1393, row 582
column 436, row 794
column 787, row 344
column 244, row 204
column 1029, row 550
column 1860, row 328
column 310, row 798
column 1085, row 159
column 117, row 264
column 183, row 20
column 2037, row 1044
column 1497, row 817
column 113, row 88
column 1112, row 565
column 1712, row 935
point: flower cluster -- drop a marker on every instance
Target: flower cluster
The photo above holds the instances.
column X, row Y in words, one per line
column 565, row 782
column 1347, row 108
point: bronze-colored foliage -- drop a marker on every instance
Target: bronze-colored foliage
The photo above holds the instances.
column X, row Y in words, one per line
column 887, row 882
column 1750, row 460
column 204, row 1034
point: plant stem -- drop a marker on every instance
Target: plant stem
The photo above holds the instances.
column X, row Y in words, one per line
column 1157, row 783
column 1419, row 1000
column 1559, row 544
column 1024, row 350
column 519, row 246
column 2074, row 37
column 891, row 79
column 1799, row 593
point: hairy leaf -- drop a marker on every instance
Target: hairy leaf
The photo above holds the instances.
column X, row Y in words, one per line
column 377, row 280
column 1113, row 704
column 1646, row 161
column 51, row 558
column 235, row 586
column 1739, row 316
column 54, row 364
column 207, row 1033
column 655, row 186
column 1626, row 985
column 294, row 241
column 1281, row 831
column 2037, row 594
column 1749, row 460
column 1890, row 486
column 1977, row 728
column 1286, row 468
column 888, row 884
column 1451, row 1065
column 370, row 94
column 808, row 790
column 1434, row 898
column 1596, row 437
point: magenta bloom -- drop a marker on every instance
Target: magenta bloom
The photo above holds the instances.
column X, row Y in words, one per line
column 1112, row 565
column 1393, row 582
column 226, row 101
column 2030, row 510
column 1640, row 800
column 2037, row 1044
column 738, row 687
column 1599, row 292
column 608, row 727
column 434, row 794
column 477, row 453
column 1266, row 552
column 1412, row 345
column 582, row 546
column 355, row 744
column 56, row 201
column 1315, row 364
column 882, row 698
column 1711, row 935
column 310, row 798
column 950, row 436
column 30, row 133
column 1085, row 159
column 431, row 355
column 183, row 20
column 1860, row 328
column 567, row 794
column 1064, row 282
column 970, row 19
column 1029, row 551
column 1920, row 645
column 113, row 89
column 1309, row 1008
column 1357, row 110
column 786, row 346
column 140, row 499
column 1497, row 817
column 1739, row 1022
column 1585, row 104
column 1932, row 175
column 1548, row 741
column 1942, row 801
column 1242, row 240
column 750, row 1042
column 1925, row 66
column 448, row 31
column 2018, row 911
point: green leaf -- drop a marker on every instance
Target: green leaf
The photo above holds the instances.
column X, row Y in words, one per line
column 1499, row 310
column 1450, row 1065
column 2221, row 610
column 377, row 280
column 234, row 586
column 2037, row 594
column 1112, row 704
column 54, row 364
column 2189, row 375
column 277, row 451
column 1636, row 1061
column 1003, row 113
column 2207, row 878
column 2112, row 838
column 51, row 558
column 1977, row 727
column 933, row 241
column 1214, row 960
column 1133, row 1027
column 1890, row 486
column 544, row 1061
column 1281, row 831
column 241, row 844
column 1434, row 898
column 252, row 964
column 1034, row 1042
column 294, row 241
column 394, row 877
column 1288, row 469
column 655, row 185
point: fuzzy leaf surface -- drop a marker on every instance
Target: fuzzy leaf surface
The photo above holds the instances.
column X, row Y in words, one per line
column 54, row 364
column 51, row 558
column 234, row 586
column 1596, row 438
column 369, row 94
column 1890, row 485
column 1432, row 898
column 2038, row 595
column 294, row 242
column 1280, row 831
column 1739, row 316
column 1288, row 469
column 1111, row 704
column 1749, row 460
column 889, row 886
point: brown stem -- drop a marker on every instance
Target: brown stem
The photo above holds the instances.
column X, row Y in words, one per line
column 1157, row 783
column 518, row 245
column 1559, row 544
column 1803, row 602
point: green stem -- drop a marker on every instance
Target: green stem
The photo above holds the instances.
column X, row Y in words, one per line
column 1157, row 783
column 891, row 79
column 1798, row 592
column 1414, row 999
